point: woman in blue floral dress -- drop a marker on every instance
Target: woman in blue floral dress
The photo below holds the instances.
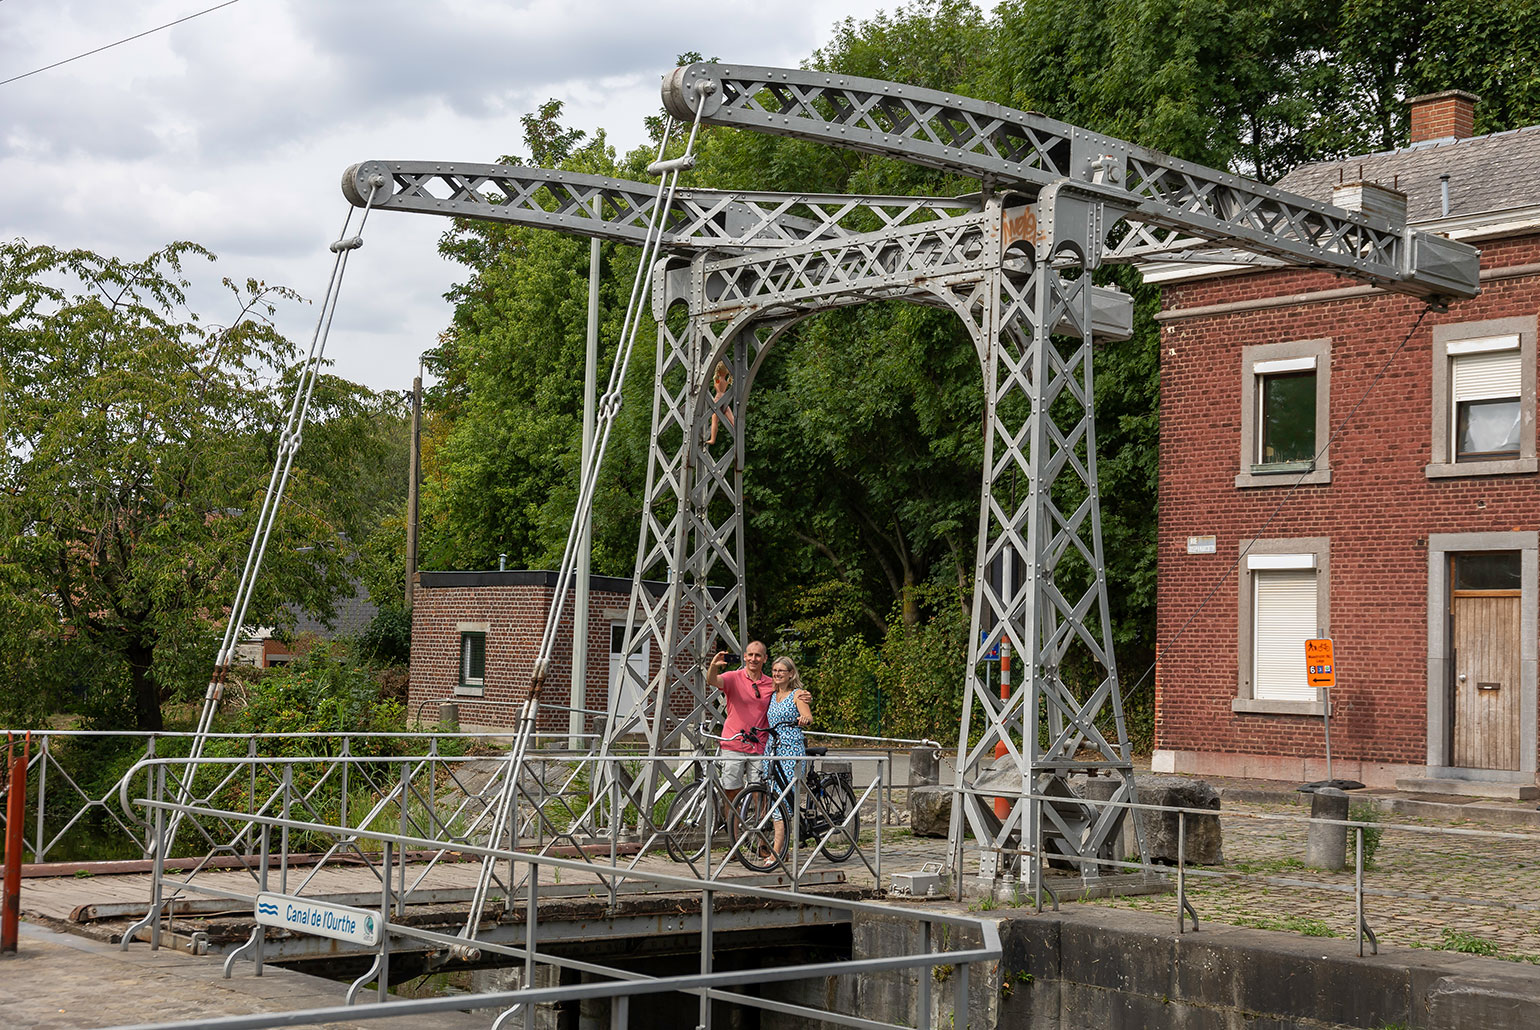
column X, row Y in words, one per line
column 789, row 711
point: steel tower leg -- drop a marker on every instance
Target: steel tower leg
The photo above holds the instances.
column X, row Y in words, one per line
column 1040, row 507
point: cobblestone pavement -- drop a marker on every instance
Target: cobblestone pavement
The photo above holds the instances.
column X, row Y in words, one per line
column 1455, row 880
column 1469, row 887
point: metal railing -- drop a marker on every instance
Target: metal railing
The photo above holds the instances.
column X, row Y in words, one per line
column 438, row 797
column 385, row 852
column 66, row 820
column 1417, row 863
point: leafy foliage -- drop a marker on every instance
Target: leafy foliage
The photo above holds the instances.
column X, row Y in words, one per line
column 137, row 444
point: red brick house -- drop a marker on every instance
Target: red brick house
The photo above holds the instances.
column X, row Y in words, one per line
column 475, row 636
column 1331, row 465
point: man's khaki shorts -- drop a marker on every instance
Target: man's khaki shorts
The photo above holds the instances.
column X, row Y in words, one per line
column 738, row 769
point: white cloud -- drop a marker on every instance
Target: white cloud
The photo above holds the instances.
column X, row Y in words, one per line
column 233, row 129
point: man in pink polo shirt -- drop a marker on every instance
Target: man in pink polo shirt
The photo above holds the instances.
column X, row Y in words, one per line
column 748, row 692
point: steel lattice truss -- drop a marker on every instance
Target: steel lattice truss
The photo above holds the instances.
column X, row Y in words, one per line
column 1012, row 263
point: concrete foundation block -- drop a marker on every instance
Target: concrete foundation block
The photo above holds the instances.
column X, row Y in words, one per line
column 924, row 767
column 1204, row 838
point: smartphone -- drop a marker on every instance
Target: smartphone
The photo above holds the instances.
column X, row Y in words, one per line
column 732, row 659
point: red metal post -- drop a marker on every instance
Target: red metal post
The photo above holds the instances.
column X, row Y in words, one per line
column 15, row 819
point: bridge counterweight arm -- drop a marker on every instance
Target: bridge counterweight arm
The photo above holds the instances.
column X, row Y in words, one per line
column 1166, row 197
column 619, row 210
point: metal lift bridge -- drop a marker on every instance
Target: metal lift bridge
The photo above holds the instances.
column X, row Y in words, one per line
column 1055, row 202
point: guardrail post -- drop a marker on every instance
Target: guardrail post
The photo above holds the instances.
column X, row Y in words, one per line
column 40, row 845
column 614, row 830
column 792, row 820
column 149, row 753
column 251, row 779
column 1181, row 871
column 267, row 852
column 707, row 906
column 383, row 984
column 620, row 1012
column 531, row 922
column 347, row 754
column 711, row 814
column 960, row 997
column 161, row 844
column 922, row 1018
column 884, row 776
column 406, row 780
column 283, row 834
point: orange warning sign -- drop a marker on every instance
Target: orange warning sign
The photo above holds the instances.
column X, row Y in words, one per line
column 1320, row 669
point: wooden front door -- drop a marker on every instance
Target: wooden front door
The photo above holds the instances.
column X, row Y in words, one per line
column 1484, row 689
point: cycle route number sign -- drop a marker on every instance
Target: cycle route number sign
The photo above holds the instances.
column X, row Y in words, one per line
column 1320, row 667
column 318, row 917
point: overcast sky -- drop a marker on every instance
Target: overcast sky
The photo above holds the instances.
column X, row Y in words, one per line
column 233, row 129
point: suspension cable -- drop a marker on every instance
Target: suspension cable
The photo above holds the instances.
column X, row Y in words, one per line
column 608, row 409
column 609, row 405
column 288, row 445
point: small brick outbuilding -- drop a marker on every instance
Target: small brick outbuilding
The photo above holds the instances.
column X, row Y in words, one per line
column 475, row 636
column 1338, row 461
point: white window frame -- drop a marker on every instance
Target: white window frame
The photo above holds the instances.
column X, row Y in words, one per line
column 1259, row 361
column 464, row 687
column 1451, row 342
column 1263, row 556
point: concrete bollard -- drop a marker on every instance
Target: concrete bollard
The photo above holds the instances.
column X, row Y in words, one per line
column 449, row 717
column 1326, row 842
column 924, row 767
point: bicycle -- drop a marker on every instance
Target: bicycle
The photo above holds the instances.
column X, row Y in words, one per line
column 828, row 814
column 684, row 826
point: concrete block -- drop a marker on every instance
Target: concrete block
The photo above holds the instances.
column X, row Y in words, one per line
column 924, row 767
column 1204, row 838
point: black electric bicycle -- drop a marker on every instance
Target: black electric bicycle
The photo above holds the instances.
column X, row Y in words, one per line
column 827, row 814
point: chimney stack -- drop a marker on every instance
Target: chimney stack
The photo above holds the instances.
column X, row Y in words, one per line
column 1447, row 115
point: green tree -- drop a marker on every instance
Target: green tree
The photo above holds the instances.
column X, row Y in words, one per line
column 138, row 440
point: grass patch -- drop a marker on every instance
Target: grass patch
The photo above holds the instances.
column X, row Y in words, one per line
column 1288, row 924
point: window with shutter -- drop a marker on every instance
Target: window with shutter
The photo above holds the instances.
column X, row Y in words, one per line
column 1483, row 397
column 1285, row 617
column 1485, row 389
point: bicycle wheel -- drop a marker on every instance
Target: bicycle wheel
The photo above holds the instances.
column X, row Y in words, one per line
column 835, row 801
column 684, row 828
column 758, row 852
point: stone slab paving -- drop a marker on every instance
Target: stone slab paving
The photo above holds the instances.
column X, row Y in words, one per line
column 63, row 982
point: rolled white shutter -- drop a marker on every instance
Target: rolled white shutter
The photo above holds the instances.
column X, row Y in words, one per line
column 1484, row 377
column 1285, row 619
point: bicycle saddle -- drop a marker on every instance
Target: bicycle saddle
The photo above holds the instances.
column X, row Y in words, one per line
column 817, row 752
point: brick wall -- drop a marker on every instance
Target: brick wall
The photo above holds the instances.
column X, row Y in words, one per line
column 514, row 607
column 1441, row 115
column 1377, row 511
